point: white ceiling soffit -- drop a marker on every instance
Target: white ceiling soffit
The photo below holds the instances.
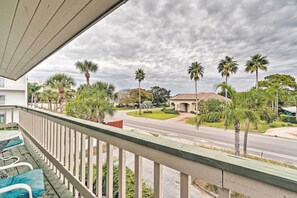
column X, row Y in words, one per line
column 32, row 30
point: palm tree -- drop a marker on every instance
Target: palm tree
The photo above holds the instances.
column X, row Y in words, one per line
column 233, row 112
column 256, row 63
column 86, row 67
column 227, row 67
column 196, row 71
column 61, row 82
column 50, row 96
column 139, row 76
column 33, row 88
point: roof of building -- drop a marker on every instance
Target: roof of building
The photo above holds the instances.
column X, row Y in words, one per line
column 201, row 96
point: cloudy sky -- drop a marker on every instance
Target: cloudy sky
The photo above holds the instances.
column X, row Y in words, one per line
column 164, row 37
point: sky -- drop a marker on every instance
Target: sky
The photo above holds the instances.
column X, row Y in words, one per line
column 164, row 37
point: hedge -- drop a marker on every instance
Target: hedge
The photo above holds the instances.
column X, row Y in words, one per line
column 169, row 111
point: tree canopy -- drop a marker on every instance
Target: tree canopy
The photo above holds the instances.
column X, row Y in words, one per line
column 160, row 95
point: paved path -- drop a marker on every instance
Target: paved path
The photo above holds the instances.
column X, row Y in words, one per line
column 269, row 147
column 182, row 117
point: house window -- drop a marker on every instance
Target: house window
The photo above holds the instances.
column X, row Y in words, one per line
column 2, row 99
column 2, row 118
column 1, row 82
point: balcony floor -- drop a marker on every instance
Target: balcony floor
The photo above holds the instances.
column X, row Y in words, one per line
column 53, row 185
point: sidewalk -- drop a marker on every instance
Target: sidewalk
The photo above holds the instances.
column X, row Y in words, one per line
column 285, row 132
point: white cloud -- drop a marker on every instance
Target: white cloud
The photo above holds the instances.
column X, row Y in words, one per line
column 164, row 37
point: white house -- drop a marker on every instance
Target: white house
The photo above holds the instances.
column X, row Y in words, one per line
column 12, row 93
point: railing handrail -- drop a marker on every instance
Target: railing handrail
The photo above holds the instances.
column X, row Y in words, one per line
column 278, row 176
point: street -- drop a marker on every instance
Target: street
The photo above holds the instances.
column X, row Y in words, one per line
column 276, row 148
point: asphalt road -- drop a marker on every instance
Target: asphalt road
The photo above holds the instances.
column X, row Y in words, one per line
column 269, row 147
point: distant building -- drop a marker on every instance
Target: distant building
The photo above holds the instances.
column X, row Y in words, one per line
column 187, row 102
column 12, row 93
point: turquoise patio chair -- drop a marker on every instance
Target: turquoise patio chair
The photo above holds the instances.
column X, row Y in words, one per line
column 29, row 184
column 9, row 140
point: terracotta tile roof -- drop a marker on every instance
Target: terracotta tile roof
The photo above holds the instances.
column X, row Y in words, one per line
column 201, row 96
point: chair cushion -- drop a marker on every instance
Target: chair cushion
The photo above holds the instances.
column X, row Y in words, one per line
column 32, row 178
column 13, row 142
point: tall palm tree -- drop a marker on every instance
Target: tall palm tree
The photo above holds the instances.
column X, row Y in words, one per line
column 227, row 67
column 86, row 67
column 196, row 71
column 139, row 76
column 256, row 63
column 60, row 82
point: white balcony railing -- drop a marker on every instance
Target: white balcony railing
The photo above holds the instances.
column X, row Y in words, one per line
column 62, row 143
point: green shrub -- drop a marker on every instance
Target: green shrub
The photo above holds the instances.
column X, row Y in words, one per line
column 213, row 117
column 169, row 111
column 287, row 118
column 267, row 115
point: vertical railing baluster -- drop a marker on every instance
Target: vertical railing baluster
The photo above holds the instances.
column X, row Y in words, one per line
column 76, row 160
column 54, row 144
column 58, row 154
column 66, row 153
column 71, row 154
column 122, row 173
column 109, row 172
column 90, row 163
column 185, row 182
column 158, row 180
column 83, row 159
column 62, row 142
column 138, row 176
column 99, row 168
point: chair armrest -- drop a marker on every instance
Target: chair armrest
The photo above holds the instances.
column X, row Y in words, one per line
column 17, row 165
column 15, row 187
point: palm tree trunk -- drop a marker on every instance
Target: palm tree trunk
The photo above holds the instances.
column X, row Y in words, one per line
column 88, row 79
column 247, row 126
column 237, row 131
column 226, row 92
column 197, row 124
column 257, row 76
column 139, row 99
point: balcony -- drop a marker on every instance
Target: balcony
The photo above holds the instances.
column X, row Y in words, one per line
column 69, row 148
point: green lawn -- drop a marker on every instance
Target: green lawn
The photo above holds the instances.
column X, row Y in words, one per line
column 124, row 108
column 156, row 114
column 263, row 126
